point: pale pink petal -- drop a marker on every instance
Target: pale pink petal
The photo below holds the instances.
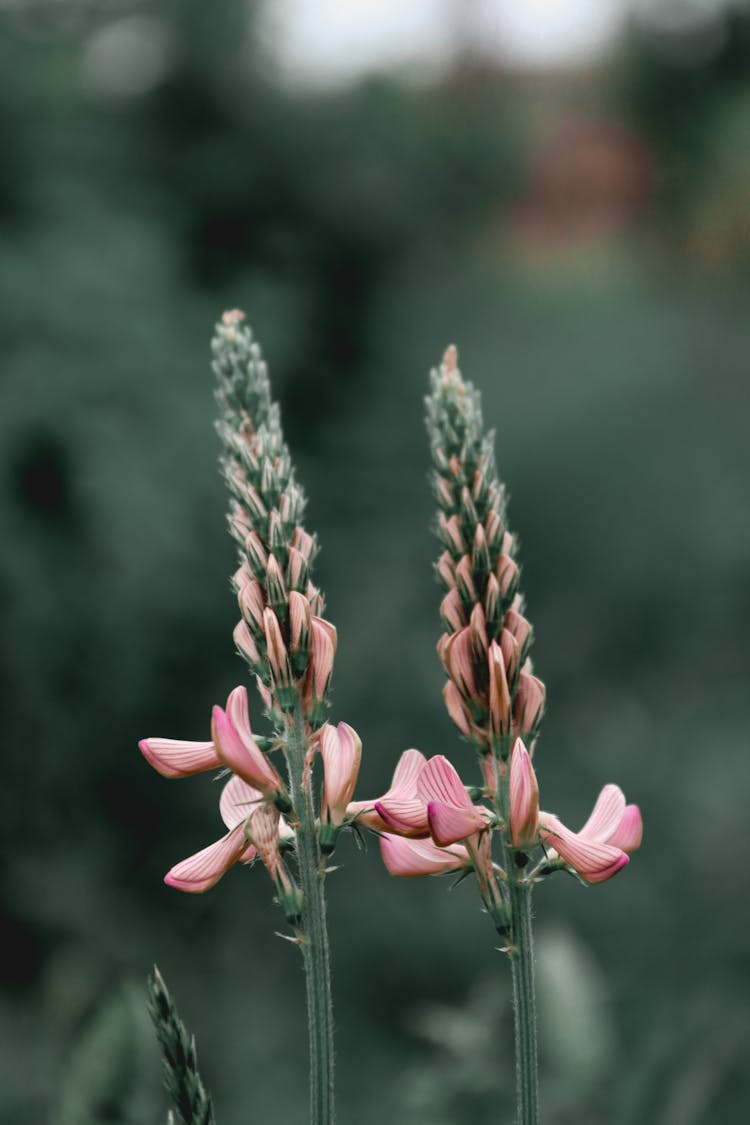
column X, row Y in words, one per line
column 366, row 814
column 202, row 870
column 239, row 751
column 175, row 758
column 593, row 862
column 409, row 858
column 439, row 781
column 629, row 831
column 449, row 824
column 410, row 765
column 606, row 814
column 237, row 801
column 403, row 814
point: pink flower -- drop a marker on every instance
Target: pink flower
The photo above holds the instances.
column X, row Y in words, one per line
column 172, row 757
column 237, row 748
column 524, row 797
column 400, row 809
column 341, row 750
column 450, row 812
column 201, row 871
column 601, row 848
column 409, row 858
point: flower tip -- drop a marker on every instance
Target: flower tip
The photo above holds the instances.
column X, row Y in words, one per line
column 232, row 317
column 450, row 359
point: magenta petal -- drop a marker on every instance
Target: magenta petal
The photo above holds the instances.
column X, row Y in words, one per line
column 410, row 858
column 202, row 870
column 448, row 824
column 629, row 832
column 172, row 757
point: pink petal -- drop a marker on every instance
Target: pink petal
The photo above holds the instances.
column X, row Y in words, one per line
column 629, row 831
column 410, row 765
column 439, row 781
column 237, row 801
column 606, row 814
column 341, row 750
column 172, row 757
column 238, row 749
column 409, row 858
column 405, row 815
column 202, row 870
column 593, row 862
column 449, row 824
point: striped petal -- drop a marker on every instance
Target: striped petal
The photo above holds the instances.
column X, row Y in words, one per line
column 606, row 815
column 439, row 781
column 201, row 871
column 172, row 757
column 449, row 824
column 409, row 858
column 592, row 861
column 405, row 815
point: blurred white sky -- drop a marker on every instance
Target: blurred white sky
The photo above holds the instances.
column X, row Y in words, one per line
column 334, row 40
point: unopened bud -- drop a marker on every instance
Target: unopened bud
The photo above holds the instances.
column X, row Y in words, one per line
column 465, row 582
column 507, row 575
column 478, row 634
column 278, row 660
column 446, row 569
column 450, row 533
column 451, row 611
column 299, row 631
column 322, row 652
column 305, row 543
column 529, row 705
column 493, row 606
column 245, row 644
column 509, row 647
column 499, row 694
column 252, row 606
column 445, row 495
column 257, row 555
column 296, row 570
column 458, row 657
column 456, row 708
column 517, row 624
column 480, row 555
column 275, row 588
column 276, row 537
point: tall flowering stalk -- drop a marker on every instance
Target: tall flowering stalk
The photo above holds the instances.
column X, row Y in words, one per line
column 269, row 807
column 430, row 823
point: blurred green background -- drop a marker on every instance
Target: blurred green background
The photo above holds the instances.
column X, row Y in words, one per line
column 582, row 234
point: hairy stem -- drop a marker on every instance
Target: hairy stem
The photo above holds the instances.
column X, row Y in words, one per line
column 315, row 949
column 524, row 1001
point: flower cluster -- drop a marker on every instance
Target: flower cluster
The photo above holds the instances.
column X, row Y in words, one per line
column 282, row 634
column 286, row 642
column 429, row 822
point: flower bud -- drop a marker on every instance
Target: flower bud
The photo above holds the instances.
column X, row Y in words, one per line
column 450, row 533
column 275, row 588
column 529, row 704
column 296, row 570
column 322, row 652
column 524, row 798
column 458, row 657
column 507, row 575
column 456, row 708
column 478, row 633
column 445, row 495
column 499, row 694
column 465, row 582
column 299, row 631
column 252, row 607
column 520, row 628
column 341, row 750
column 446, row 569
column 469, row 517
column 305, row 543
column 245, row 644
column 278, row 660
column 276, row 537
column 480, row 557
column 493, row 606
column 257, row 555
column 509, row 647
column 451, row 611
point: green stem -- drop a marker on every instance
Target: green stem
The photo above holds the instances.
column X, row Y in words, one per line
column 315, row 949
column 524, row 1001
